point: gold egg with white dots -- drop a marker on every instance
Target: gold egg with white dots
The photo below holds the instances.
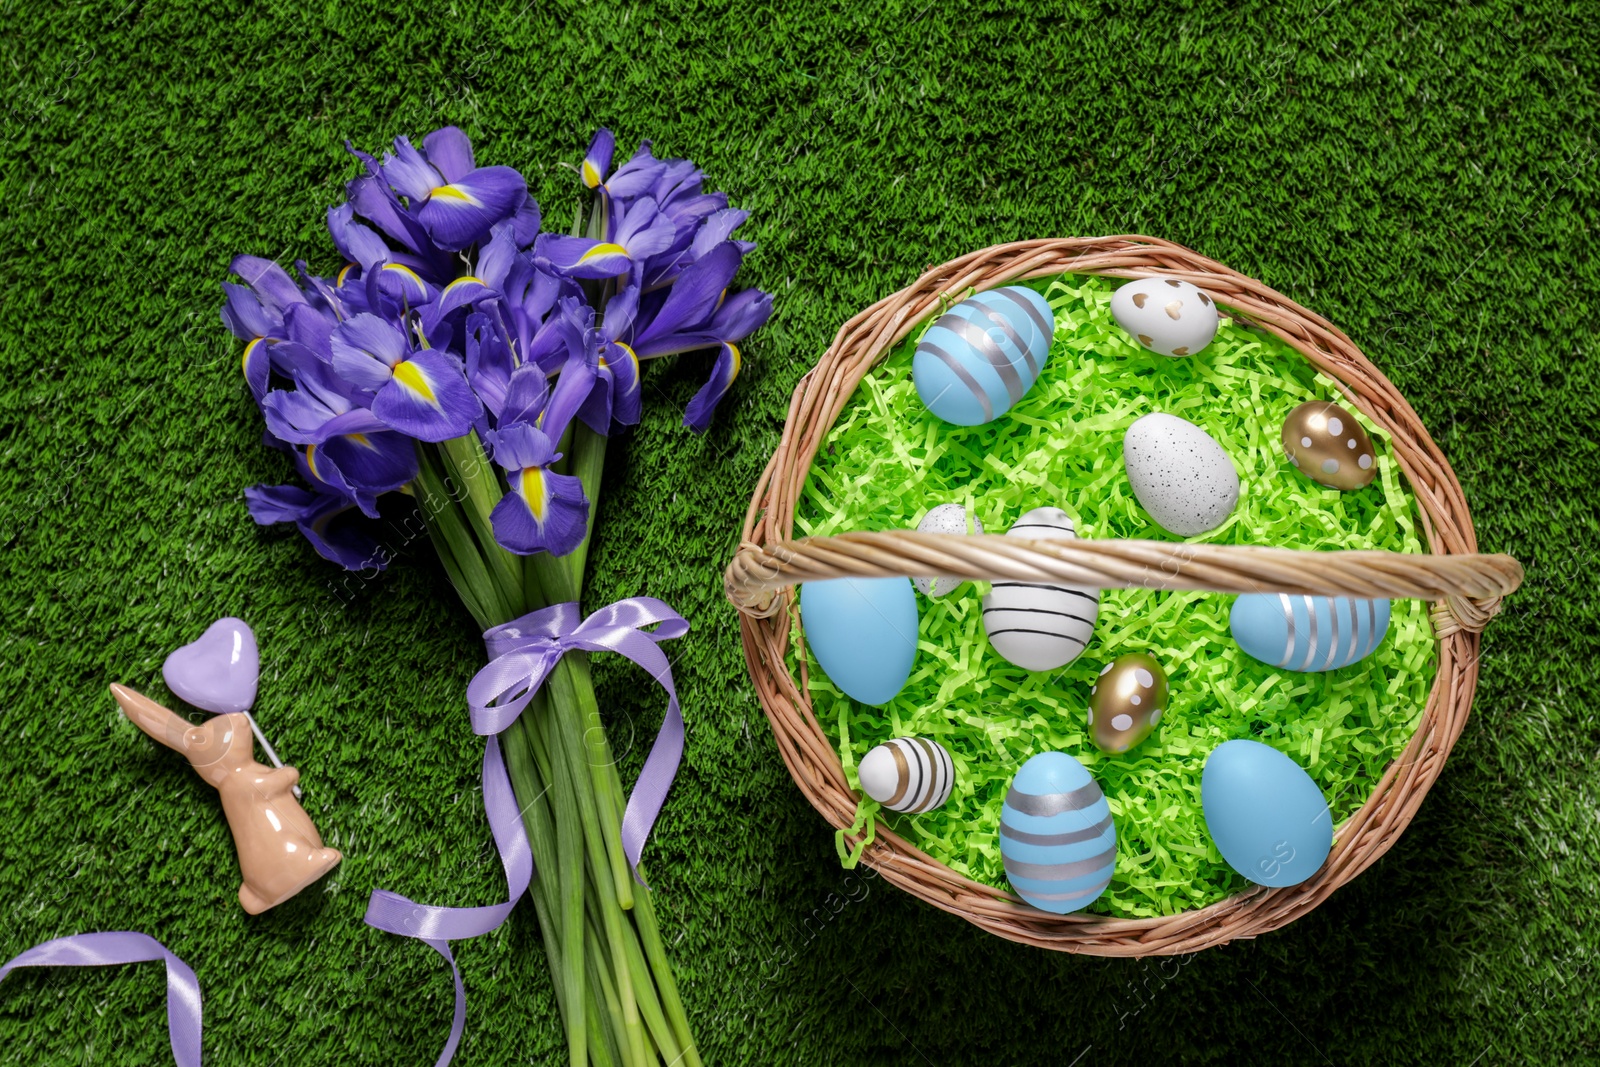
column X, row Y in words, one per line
column 1326, row 444
column 1127, row 702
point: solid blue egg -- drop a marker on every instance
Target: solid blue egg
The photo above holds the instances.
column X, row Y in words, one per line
column 863, row 632
column 1308, row 633
column 1265, row 813
column 983, row 355
column 1057, row 840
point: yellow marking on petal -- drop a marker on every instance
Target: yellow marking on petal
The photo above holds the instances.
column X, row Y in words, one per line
column 410, row 375
column 454, row 194
column 465, row 278
column 344, row 270
column 604, row 249
column 533, row 493
column 634, row 358
column 244, row 363
column 362, row 439
column 591, row 174
column 738, row 360
column 401, row 268
column 311, row 461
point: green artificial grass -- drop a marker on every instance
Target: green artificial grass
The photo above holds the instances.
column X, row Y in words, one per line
column 1422, row 174
column 887, row 460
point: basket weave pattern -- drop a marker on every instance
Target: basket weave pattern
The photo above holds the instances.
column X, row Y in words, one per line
column 1465, row 587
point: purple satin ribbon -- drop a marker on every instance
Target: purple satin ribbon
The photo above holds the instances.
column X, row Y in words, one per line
column 522, row 653
column 125, row 946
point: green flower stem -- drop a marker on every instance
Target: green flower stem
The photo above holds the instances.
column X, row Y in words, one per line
column 569, row 875
column 452, row 539
column 620, row 1051
column 649, row 1007
column 481, row 484
column 644, row 917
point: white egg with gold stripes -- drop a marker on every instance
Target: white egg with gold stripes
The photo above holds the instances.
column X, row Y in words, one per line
column 1308, row 633
column 909, row 774
column 982, row 355
column 1040, row 626
column 1058, row 842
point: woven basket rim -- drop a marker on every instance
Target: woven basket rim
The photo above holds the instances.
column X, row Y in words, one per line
column 1466, row 587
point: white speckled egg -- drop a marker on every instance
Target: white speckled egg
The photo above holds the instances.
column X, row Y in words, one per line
column 1167, row 316
column 1180, row 474
column 1039, row 626
column 945, row 519
column 909, row 774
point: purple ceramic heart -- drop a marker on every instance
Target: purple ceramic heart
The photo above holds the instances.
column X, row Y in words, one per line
column 218, row 672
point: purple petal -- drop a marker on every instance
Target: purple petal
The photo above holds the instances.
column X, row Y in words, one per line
column 355, row 242
column 597, row 160
column 644, row 230
column 525, row 222
column 693, row 298
column 704, row 404
column 580, row 257
column 462, row 212
column 375, row 201
column 637, row 176
column 307, row 326
column 243, row 314
column 411, row 175
column 741, row 315
column 364, row 350
column 496, row 258
column 526, row 395
column 404, row 284
column 257, row 361
column 450, row 152
column 489, row 362
column 717, row 227
column 428, row 398
column 520, row 444
column 279, row 503
column 374, row 462
column 544, row 512
column 270, row 281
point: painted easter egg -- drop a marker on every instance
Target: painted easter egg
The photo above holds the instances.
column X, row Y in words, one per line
column 945, row 519
column 863, row 632
column 1267, row 817
column 1328, row 445
column 1168, row 316
column 909, row 774
column 983, row 354
column 1035, row 625
column 1126, row 702
column 1307, row 633
column 1057, row 840
column 1179, row 473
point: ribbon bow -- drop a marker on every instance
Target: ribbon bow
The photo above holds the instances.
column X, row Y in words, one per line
column 522, row 653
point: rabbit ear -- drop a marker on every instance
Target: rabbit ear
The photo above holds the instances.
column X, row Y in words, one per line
column 152, row 718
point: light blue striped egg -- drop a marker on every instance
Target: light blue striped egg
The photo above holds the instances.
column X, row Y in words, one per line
column 1308, row 633
column 1057, row 840
column 983, row 355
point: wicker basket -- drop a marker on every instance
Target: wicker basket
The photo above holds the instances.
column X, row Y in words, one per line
column 1465, row 588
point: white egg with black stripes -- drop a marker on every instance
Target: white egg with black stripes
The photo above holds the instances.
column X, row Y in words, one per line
column 1040, row 626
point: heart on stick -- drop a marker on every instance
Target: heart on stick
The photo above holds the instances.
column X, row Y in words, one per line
column 218, row 672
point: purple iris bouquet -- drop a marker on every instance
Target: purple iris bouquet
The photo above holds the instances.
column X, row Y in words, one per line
column 469, row 361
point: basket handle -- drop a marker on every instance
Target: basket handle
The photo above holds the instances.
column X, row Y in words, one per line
column 1466, row 588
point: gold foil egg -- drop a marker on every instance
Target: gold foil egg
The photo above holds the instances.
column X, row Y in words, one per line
column 1127, row 702
column 1329, row 446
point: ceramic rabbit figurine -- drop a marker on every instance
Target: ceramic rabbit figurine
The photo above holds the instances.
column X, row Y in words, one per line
column 280, row 851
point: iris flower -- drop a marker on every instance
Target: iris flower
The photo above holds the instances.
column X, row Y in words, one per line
column 455, row 200
column 344, row 445
column 422, row 393
column 327, row 520
column 641, row 231
column 544, row 511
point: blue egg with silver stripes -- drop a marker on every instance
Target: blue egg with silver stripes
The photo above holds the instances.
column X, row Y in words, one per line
column 982, row 355
column 1308, row 633
column 1057, row 840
